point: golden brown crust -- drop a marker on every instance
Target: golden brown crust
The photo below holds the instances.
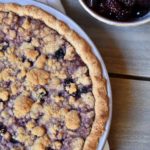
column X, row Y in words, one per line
column 84, row 50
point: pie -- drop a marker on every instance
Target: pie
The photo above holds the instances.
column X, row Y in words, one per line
column 52, row 92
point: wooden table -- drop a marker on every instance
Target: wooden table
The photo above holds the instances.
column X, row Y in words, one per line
column 126, row 52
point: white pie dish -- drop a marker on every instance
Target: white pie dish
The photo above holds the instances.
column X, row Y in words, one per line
column 77, row 29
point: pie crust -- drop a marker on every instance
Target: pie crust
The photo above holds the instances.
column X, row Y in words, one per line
column 84, row 51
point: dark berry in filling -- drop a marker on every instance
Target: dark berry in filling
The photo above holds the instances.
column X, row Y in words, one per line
column 49, row 148
column 3, row 128
column 31, row 63
column 84, row 89
column 42, row 96
column 128, row 2
column 23, row 58
column 68, row 81
column 77, row 94
column 5, row 45
column 14, row 141
column 79, row 91
column 59, row 54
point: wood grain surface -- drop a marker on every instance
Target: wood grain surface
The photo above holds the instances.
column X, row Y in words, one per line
column 126, row 52
column 130, row 128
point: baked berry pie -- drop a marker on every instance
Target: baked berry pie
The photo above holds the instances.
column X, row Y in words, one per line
column 52, row 93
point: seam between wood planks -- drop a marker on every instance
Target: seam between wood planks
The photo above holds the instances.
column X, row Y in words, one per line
column 123, row 76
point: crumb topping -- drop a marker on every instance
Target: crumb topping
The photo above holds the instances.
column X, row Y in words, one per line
column 22, row 106
column 72, row 120
column 31, row 54
column 77, row 144
column 46, row 99
column 30, row 125
column 37, row 77
column 38, row 131
column 40, row 62
column 4, row 94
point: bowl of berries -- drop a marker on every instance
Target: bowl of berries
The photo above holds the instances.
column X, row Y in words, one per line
column 119, row 12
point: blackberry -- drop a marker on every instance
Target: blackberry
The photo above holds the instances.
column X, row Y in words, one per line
column 68, row 81
column 5, row 45
column 117, row 11
column 14, row 141
column 143, row 3
column 23, row 58
column 49, row 148
column 127, row 3
column 3, row 128
column 59, row 54
column 31, row 62
column 77, row 94
column 123, row 14
column 113, row 6
column 84, row 89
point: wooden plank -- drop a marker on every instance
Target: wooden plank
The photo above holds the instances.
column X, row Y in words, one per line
column 125, row 50
column 130, row 128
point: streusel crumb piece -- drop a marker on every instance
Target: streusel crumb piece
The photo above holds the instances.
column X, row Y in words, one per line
column 30, row 125
column 22, row 106
column 4, row 95
column 72, row 120
column 77, row 144
column 40, row 62
column 88, row 99
column 71, row 88
column 38, row 131
column 31, row 54
column 37, row 76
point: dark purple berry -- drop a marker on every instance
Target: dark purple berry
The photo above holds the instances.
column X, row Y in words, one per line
column 116, row 10
column 6, row 84
column 14, row 141
column 59, row 54
column 31, row 62
column 68, row 81
column 77, row 94
column 127, row 3
column 23, row 58
column 60, row 94
column 139, row 12
column 3, row 128
column 123, row 14
column 113, row 6
column 84, row 89
column 49, row 148
column 120, row 10
column 5, row 45
column 143, row 3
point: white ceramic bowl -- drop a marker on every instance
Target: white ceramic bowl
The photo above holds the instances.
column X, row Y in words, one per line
column 136, row 22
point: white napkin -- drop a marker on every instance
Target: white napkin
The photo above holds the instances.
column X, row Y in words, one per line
column 58, row 5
